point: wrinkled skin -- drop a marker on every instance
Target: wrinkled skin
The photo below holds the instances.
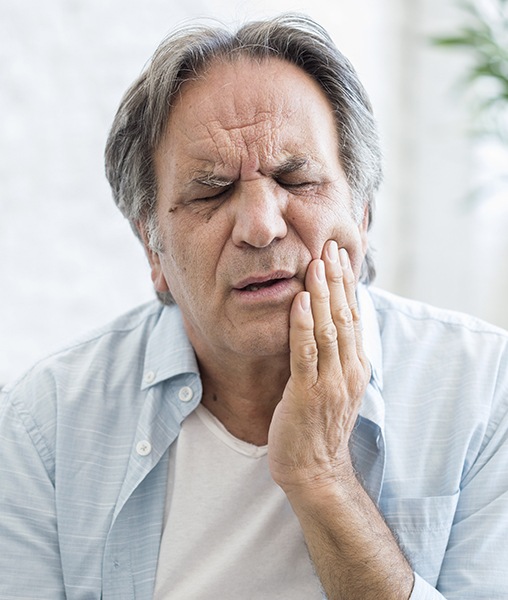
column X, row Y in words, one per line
column 229, row 212
column 253, row 207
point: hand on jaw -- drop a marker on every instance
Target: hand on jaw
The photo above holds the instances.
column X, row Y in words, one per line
column 353, row 551
column 311, row 426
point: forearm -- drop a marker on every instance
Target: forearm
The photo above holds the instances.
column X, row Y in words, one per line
column 354, row 552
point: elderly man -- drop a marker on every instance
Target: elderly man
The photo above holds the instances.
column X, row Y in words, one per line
column 271, row 427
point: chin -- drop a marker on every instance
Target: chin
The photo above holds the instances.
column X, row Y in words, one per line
column 260, row 350
column 259, row 343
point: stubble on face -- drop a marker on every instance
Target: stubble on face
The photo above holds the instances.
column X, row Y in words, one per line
column 245, row 134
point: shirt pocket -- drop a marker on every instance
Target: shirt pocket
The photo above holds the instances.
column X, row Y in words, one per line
column 422, row 527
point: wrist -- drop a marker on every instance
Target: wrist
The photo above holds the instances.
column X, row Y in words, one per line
column 317, row 488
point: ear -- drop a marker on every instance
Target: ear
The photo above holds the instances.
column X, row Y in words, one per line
column 159, row 280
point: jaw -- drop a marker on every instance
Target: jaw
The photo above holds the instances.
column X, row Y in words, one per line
column 243, row 335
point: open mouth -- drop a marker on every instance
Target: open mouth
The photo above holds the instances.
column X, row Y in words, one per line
column 254, row 287
column 270, row 285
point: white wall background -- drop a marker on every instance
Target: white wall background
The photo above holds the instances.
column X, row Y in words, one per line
column 68, row 260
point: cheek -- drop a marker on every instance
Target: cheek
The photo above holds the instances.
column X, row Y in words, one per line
column 191, row 262
column 317, row 227
column 352, row 240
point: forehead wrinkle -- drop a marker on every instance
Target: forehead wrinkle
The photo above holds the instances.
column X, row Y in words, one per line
column 247, row 146
column 243, row 127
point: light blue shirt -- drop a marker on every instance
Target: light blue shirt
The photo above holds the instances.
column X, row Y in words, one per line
column 84, row 440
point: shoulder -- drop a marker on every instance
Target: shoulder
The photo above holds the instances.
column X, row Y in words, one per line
column 92, row 376
column 437, row 352
column 123, row 333
column 89, row 390
column 395, row 312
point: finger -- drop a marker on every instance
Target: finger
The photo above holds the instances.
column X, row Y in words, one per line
column 352, row 301
column 339, row 284
column 349, row 282
column 302, row 344
column 325, row 331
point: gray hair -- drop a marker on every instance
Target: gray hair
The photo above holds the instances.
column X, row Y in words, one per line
column 185, row 55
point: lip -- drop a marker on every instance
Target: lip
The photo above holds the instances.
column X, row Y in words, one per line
column 284, row 287
column 260, row 279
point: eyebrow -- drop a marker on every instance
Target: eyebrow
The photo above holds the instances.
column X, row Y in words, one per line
column 290, row 165
column 209, row 179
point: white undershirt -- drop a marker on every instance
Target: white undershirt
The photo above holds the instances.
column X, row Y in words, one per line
column 229, row 532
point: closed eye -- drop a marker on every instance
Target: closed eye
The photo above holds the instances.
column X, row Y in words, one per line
column 296, row 187
column 206, row 187
column 220, row 194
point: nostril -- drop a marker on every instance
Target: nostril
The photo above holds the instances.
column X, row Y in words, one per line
column 258, row 221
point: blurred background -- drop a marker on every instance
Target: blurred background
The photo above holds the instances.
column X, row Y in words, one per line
column 68, row 260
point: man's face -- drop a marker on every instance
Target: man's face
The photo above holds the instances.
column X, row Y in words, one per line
column 250, row 187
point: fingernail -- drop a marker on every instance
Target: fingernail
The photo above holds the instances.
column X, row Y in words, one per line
column 344, row 258
column 320, row 270
column 332, row 252
column 305, row 301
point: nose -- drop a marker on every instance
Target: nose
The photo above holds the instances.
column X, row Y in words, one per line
column 259, row 215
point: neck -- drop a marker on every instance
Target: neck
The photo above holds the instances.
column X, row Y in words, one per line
column 243, row 394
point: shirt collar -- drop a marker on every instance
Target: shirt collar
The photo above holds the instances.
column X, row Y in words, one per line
column 367, row 442
column 373, row 407
column 168, row 351
column 371, row 334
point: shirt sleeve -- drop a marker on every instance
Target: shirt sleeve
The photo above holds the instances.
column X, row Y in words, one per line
column 29, row 554
column 474, row 565
column 477, row 553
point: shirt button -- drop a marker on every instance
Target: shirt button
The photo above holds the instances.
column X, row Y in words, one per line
column 185, row 394
column 149, row 377
column 143, row 448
